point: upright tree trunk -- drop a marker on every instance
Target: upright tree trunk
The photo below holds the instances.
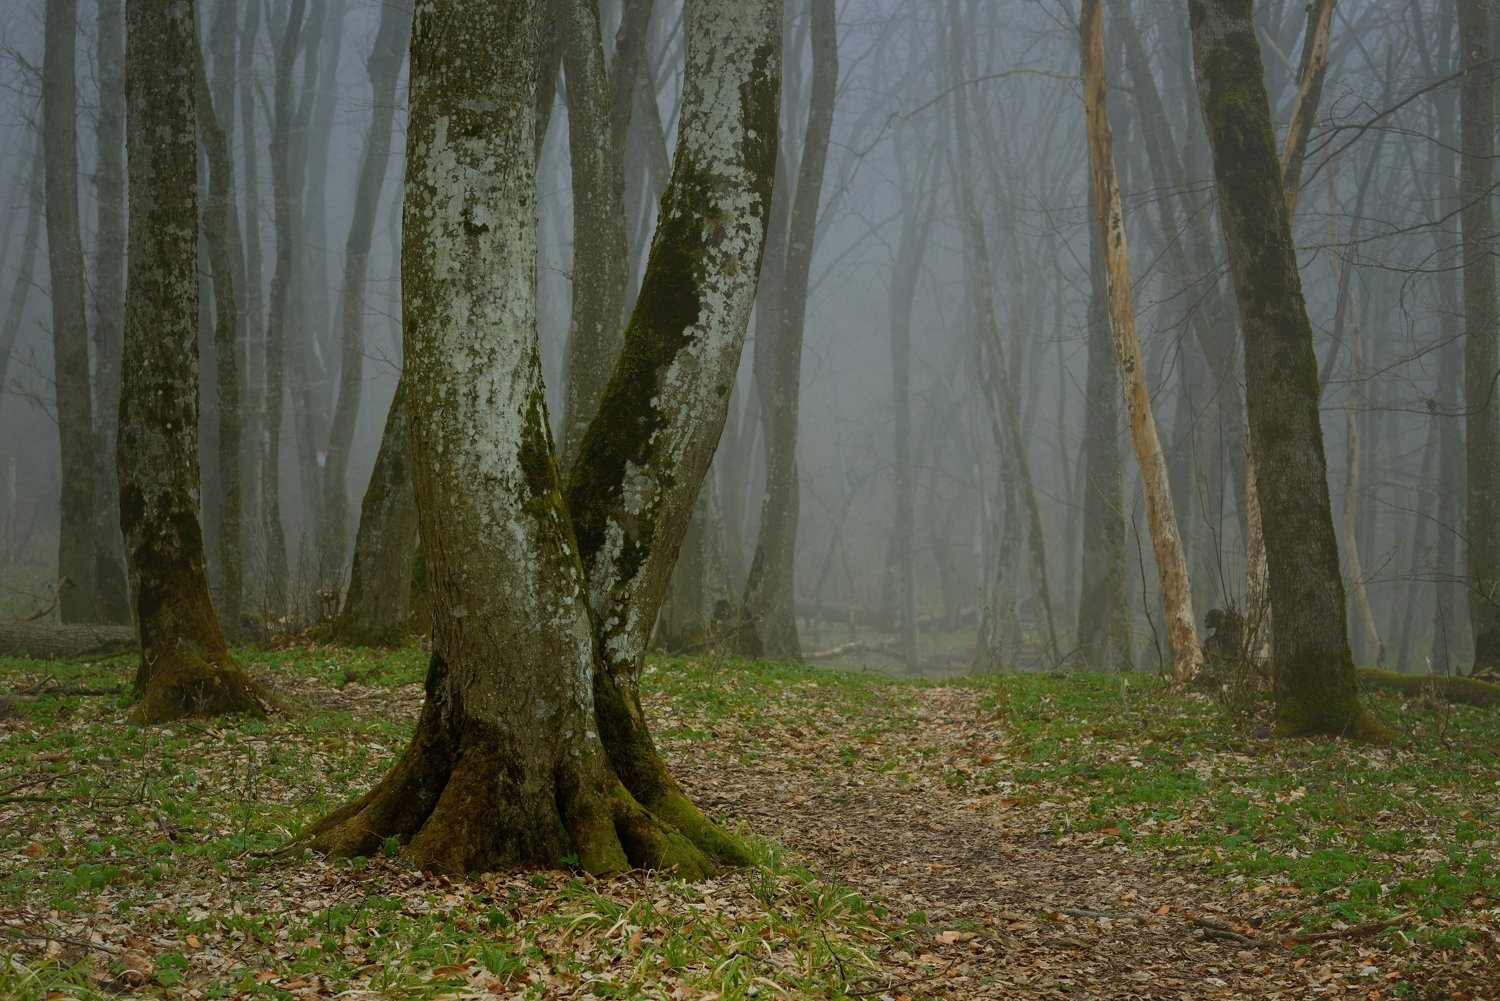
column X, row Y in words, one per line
column 770, row 595
column 1481, row 357
column 384, row 66
column 377, row 607
column 599, row 255
column 109, row 309
column 185, row 668
column 70, row 336
column 1166, row 544
column 531, row 746
column 221, row 236
column 1316, row 690
column 15, row 309
column 1103, row 617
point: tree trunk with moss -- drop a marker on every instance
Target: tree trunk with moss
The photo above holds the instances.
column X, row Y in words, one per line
column 377, row 607
column 185, row 667
column 531, row 747
column 1316, row 690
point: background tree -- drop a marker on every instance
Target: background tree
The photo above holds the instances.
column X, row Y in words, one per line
column 185, row 668
column 529, row 748
column 1316, row 690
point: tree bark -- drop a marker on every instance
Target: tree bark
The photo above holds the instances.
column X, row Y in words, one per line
column 531, row 747
column 1316, row 690
column 185, row 668
column 1481, row 355
column 1166, row 544
column 377, row 607
column 15, row 309
column 70, row 336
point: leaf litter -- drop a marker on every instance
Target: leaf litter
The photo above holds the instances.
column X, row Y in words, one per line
column 990, row 839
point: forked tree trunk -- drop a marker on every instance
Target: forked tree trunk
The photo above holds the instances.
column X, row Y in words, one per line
column 70, row 337
column 529, row 748
column 185, row 668
column 1166, row 544
column 1316, row 690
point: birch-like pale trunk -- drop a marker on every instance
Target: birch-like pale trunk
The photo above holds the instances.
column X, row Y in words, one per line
column 1166, row 543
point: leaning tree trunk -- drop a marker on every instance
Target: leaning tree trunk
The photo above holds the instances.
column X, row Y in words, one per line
column 1481, row 356
column 70, row 337
column 185, row 668
column 1166, row 543
column 1316, row 690
column 378, row 605
column 529, row 748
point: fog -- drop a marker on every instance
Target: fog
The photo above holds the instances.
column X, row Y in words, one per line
column 1378, row 235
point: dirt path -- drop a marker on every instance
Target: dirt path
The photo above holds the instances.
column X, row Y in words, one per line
column 995, row 883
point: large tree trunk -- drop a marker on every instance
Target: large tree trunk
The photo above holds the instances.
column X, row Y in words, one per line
column 377, row 608
column 530, row 748
column 384, row 65
column 1482, row 427
column 70, row 337
column 769, row 594
column 185, row 668
column 1166, row 544
column 1316, row 690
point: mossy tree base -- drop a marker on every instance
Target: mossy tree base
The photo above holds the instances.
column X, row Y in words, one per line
column 458, row 803
column 184, row 684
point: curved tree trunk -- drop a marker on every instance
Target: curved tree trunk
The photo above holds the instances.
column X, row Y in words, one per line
column 1316, row 691
column 530, row 749
column 185, row 668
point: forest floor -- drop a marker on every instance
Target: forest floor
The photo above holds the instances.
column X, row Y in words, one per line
column 996, row 837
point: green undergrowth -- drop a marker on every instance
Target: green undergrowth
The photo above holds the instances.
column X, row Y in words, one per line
column 136, row 861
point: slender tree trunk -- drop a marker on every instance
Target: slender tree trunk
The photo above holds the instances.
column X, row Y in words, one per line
column 253, row 537
column 599, row 255
column 109, row 309
column 377, row 608
column 15, row 309
column 185, row 668
column 1316, row 690
column 70, row 336
column 384, row 65
column 531, row 746
column 1177, row 598
column 1481, row 356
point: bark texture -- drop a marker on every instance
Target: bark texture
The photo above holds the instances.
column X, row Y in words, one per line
column 1316, row 691
column 185, row 667
column 531, row 747
column 1161, row 520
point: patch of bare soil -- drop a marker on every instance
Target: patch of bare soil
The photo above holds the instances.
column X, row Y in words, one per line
column 1007, row 907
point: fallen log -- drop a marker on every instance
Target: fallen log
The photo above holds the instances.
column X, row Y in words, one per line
column 51, row 641
column 1449, row 688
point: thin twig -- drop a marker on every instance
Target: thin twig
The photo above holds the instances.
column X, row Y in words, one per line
column 14, row 932
column 1354, row 931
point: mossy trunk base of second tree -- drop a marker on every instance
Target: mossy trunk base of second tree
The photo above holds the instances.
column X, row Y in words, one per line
column 1315, row 712
column 183, row 683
